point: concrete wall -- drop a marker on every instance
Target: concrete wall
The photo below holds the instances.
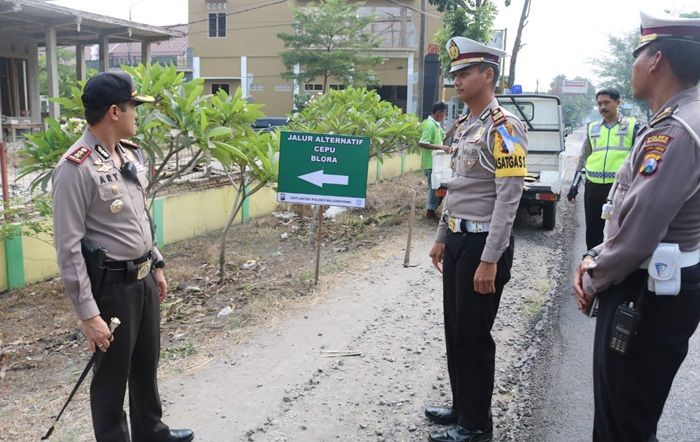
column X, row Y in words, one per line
column 3, row 267
column 39, row 258
column 181, row 222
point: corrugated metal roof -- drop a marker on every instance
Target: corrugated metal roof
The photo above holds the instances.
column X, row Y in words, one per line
column 30, row 19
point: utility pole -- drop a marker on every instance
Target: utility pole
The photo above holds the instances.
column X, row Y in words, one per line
column 421, row 61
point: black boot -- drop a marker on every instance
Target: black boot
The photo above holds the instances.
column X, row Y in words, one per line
column 441, row 415
column 459, row 434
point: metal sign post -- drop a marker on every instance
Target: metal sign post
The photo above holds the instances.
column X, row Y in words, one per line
column 5, row 181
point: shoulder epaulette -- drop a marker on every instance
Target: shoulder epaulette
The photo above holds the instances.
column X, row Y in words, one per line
column 663, row 115
column 498, row 117
column 126, row 143
column 79, row 155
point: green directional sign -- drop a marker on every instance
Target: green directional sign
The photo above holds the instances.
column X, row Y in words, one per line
column 323, row 169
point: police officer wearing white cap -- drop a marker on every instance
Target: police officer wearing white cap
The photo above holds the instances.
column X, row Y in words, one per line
column 99, row 203
column 645, row 276
column 474, row 243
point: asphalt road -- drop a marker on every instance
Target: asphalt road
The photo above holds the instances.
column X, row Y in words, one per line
column 566, row 384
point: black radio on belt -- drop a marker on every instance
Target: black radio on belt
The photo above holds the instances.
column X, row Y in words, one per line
column 625, row 326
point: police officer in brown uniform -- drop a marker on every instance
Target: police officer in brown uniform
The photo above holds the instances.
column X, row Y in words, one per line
column 646, row 276
column 99, row 200
column 474, row 244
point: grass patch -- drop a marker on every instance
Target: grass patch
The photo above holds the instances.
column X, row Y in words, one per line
column 176, row 352
column 533, row 303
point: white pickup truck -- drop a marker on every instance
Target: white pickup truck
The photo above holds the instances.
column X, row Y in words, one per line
column 541, row 115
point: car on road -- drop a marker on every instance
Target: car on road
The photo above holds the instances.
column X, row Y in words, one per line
column 269, row 124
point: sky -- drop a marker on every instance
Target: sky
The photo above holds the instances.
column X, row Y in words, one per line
column 562, row 36
column 152, row 12
column 567, row 37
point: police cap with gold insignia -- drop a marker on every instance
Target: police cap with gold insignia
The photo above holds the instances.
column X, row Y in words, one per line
column 656, row 28
column 107, row 88
column 465, row 52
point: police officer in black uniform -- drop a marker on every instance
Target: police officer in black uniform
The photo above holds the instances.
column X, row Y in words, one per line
column 100, row 210
column 646, row 275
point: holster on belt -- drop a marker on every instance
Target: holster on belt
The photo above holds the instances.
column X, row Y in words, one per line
column 94, row 258
column 665, row 270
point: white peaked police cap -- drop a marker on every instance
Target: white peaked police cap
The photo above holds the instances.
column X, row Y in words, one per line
column 465, row 52
column 666, row 27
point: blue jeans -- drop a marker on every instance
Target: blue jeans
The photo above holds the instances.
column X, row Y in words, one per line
column 433, row 199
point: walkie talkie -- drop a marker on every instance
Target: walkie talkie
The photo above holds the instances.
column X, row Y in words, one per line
column 625, row 325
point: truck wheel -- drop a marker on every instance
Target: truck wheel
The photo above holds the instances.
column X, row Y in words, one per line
column 549, row 215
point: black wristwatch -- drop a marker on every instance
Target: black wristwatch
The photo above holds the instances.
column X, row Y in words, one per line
column 159, row 264
column 592, row 253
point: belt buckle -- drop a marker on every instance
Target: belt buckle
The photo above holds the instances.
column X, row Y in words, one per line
column 144, row 269
column 452, row 224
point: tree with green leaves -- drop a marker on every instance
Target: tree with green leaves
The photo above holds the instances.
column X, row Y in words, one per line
column 470, row 6
column 361, row 112
column 464, row 18
column 330, row 40
column 474, row 19
column 615, row 68
column 575, row 107
column 183, row 123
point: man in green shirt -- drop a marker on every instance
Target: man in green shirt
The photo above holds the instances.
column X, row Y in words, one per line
column 431, row 139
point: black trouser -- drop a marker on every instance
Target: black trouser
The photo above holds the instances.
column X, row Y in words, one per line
column 469, row 316
column 593, row 200
column 132, row 357
column 630, row 390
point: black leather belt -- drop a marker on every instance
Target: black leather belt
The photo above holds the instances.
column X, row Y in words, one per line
column 122, row 271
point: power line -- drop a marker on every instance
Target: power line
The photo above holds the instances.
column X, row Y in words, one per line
column 426, row 13
column 386, row 31
column 253, row 8
column 242, row 28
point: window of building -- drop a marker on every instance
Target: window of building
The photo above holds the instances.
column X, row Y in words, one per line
column 313, row 87
column 318, row 87
column 216, row 86
column 217, row 24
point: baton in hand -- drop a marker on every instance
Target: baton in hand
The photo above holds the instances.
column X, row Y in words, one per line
column 113, row 324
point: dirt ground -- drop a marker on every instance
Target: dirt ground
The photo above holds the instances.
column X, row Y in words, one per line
column 355, row 358
column 269, row 270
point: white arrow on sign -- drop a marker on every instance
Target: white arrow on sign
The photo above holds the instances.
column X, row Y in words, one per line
column 319, row 179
